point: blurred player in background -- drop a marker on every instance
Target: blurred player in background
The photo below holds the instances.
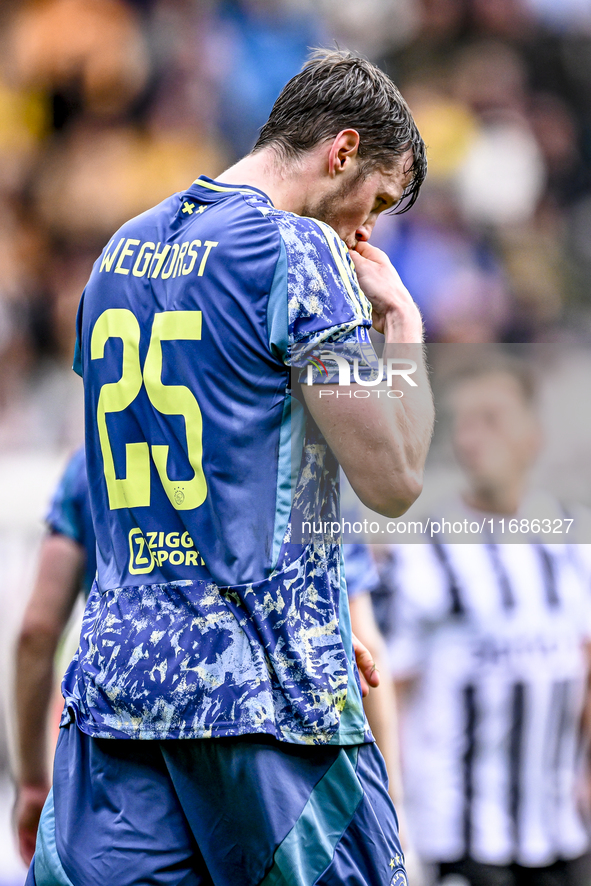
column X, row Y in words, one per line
column 207, row 620
column 489, row 645
column 67, row 566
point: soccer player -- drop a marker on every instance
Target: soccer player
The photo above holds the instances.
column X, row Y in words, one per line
column 67, row 566
column 213, row 729
column 489, row 644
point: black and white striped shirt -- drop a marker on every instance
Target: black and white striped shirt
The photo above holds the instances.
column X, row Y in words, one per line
column 495, row 635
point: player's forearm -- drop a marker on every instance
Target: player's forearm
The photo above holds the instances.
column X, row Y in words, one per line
column 413, row 413
column 406, row 375
column 380, row 441
column 387, row 484
column 34, row 684
column 396, row 448
column 61, row 560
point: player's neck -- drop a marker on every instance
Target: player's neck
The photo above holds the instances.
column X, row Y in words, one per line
column 281, row 181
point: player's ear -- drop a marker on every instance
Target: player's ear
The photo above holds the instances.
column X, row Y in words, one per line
column 343, row 151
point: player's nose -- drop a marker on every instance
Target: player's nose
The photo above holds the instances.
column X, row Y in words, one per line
column 363, row 233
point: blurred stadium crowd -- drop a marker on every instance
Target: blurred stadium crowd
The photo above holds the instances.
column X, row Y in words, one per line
column 108, row 106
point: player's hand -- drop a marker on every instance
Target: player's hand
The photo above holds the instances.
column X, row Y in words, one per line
column 394, row 312
column 368, row 673
column 27, row 810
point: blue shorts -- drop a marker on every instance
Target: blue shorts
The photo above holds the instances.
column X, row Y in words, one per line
column 230, row 812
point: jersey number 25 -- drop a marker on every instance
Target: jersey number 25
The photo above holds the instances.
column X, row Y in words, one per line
column 133, row 491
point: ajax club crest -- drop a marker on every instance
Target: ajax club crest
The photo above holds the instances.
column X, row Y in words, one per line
column 399, row 878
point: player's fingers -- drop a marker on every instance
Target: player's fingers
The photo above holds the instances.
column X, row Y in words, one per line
column 364, row 248
column 365, row 251
column 366, row 256
column 367, row 667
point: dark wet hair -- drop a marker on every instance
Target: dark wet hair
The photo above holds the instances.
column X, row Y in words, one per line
column 338, row 90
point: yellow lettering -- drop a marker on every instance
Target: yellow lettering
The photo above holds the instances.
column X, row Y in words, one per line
column 186, row 540
column 119, row 269
column 177, row 557
column 136, row 271
column 191, row 558
column 139, row 558
column 188, row 268
column 161, row 556
column 160, row 539
column 172, row 540
column 152, row 537
column 181, row 258
column 175, row 251
column 209, row 245
column 159, row 258
column 176, row 400
column 133, row 490
column 109, row 258
column 139, row 564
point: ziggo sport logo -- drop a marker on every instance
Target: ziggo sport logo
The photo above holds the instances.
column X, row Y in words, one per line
column 150, row 549
column 392, row 369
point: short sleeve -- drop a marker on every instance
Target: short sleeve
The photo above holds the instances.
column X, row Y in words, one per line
column 63, row 516
column 325, row 302
column 69, row 513
column 360, row 570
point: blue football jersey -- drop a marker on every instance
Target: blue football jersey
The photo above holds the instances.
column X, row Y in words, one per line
column 207, row 618
column 69, row 513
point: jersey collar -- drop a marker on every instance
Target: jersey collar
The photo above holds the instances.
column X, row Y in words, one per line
column 204, row 182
